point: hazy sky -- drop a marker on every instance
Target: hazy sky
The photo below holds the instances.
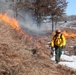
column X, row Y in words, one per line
column 71, row 8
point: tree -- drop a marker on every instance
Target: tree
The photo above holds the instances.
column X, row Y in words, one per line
column 54, row 8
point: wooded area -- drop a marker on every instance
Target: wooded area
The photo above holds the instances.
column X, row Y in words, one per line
column 41, row 8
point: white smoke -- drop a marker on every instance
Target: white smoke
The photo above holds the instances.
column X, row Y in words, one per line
column 5, row 7
column 2, row 6
column 28, row 22
column 26, row 19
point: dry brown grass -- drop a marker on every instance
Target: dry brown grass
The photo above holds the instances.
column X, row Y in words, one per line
column 17, row 58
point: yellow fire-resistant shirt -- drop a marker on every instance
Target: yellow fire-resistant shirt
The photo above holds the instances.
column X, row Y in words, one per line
column 58, row 41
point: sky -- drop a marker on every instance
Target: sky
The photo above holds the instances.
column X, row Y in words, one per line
column 71, row 8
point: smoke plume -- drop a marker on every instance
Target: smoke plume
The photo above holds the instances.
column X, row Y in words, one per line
column 25, row 18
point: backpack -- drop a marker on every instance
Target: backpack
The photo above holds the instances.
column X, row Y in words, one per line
column 55, row 36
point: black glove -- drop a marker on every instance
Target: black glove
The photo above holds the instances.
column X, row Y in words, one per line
column 52, row 51
column 51, row 48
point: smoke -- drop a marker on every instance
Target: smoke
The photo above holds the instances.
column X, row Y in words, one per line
column 28, row 22
column 2, row 6
column 25, row 18
column 6, row 7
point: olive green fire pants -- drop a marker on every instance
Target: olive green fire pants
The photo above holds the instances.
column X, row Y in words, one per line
column 58, row 52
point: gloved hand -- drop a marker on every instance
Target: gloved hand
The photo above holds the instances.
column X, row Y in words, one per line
column 49, row 44
column 51, row 48
column 52, row 51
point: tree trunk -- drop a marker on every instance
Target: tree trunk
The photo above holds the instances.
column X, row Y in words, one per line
column 52, row 23
column 38, row 22
column 55, row 23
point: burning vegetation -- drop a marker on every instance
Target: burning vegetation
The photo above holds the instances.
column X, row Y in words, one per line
column 69, row 35
column 22, row 54
column 14, row 23
column 11, row 21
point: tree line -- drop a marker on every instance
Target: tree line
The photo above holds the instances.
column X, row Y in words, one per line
column 41, row 8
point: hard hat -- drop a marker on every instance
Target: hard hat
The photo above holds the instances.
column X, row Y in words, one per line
column 58, row 31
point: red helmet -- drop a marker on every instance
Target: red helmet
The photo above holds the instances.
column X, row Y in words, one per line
column 58, row 31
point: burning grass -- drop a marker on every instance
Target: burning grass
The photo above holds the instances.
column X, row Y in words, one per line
column 11, row 21
column 17, row 57
column 69, row 35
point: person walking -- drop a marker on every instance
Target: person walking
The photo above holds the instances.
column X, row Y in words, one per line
column 58, row 42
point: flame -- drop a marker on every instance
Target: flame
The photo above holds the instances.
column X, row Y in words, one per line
column 11, row 21
column 69, row 35
column 14, row 23
column 65, row 34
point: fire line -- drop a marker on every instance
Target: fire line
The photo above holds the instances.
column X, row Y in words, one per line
column 12, row 21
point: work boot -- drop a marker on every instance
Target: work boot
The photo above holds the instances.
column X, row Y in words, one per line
column 57, row 61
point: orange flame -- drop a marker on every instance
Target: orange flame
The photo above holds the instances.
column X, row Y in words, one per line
column 68, row 35
column 12, row 21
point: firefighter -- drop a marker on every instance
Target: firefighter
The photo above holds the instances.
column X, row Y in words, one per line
column 58, row 42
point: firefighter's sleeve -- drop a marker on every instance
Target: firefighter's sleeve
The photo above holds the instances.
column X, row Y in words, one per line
column 52, row 42
column 64, row 40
